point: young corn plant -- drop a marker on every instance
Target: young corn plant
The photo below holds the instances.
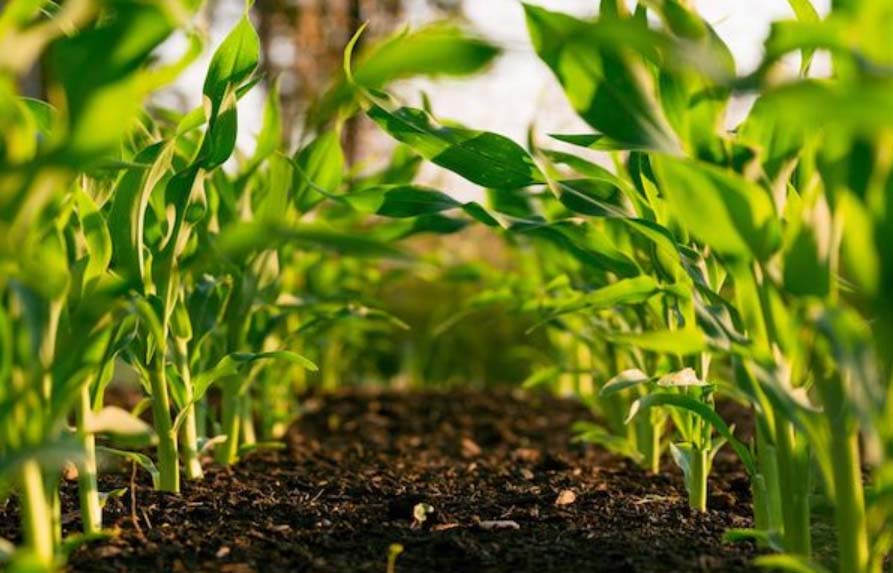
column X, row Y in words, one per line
column 58, row 302
column 691, row 404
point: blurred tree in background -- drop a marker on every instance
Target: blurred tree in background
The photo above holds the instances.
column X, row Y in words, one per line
column 302, row 43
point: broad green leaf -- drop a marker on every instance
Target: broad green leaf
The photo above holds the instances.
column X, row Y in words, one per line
column 863, row 106
column 591, row 248
column 403, row 201
column 593, row 197
column 319, row 170
column 128, row 211
column 681, row 342
column 98, row 69
column 859, row 255
column 806, row 272
column 274, row 205
column 626, row 291
column 607, row 83
column 437, row 49
column 220, row 141
column 704, row 411
column 232, row 63
column 245, row 238
column 727, row 212
column 484, row 158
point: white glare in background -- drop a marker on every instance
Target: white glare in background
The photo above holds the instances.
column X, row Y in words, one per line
column 514, row 93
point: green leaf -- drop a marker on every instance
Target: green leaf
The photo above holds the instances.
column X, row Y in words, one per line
column 114, row 420
column 220, row 141
column 274, row 205
column 401, row 201
column 772, row 539
column 704, row 411
column 805, row 12
column 437, row 49
column 727, row 212
column 606, row 82
column 99, row 72
column 232, row 63
column 682, row 342
column 541, row 377
column 595, row 197
column 233, row 364
column 50, row 455
column 625, row 291
column 96, row 233
column 789, row 563
column 806, row 272
column 244, row 239
column 128, row 211
column 590, row 433
column 484, row 158
column 139, row 459
column 591, row 248
column 319, row 170
column 624, row 380
column 270, row 137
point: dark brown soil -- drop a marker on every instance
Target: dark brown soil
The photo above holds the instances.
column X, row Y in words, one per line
column 355, row 466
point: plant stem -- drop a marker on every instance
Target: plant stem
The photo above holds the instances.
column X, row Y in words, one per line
column 88, row 491
column 697, row 487
column 769, row 516
column 249, row 435
column 168, row 461
column 793, row 473
column 648, row 435
column 228, row 451
column 852, row 538
column 189, row 431
column 849, row 507
column 37, row 515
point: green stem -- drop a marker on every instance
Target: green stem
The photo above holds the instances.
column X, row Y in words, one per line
column 88, row 490
column 768, row 516
column 37, row 515
column 249, row 435
column 852, row 537
column 168, row 461
column 228, row 452
column 697, row 487
column 793, row 473
column 647, row 437
column 189, row 430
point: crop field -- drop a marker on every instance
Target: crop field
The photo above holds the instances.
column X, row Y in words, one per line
column 661, row 343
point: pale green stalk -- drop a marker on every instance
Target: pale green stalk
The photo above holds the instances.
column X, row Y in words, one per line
column 189, row 431
column 88, row 490
column 168, row 462
column 37, row 514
